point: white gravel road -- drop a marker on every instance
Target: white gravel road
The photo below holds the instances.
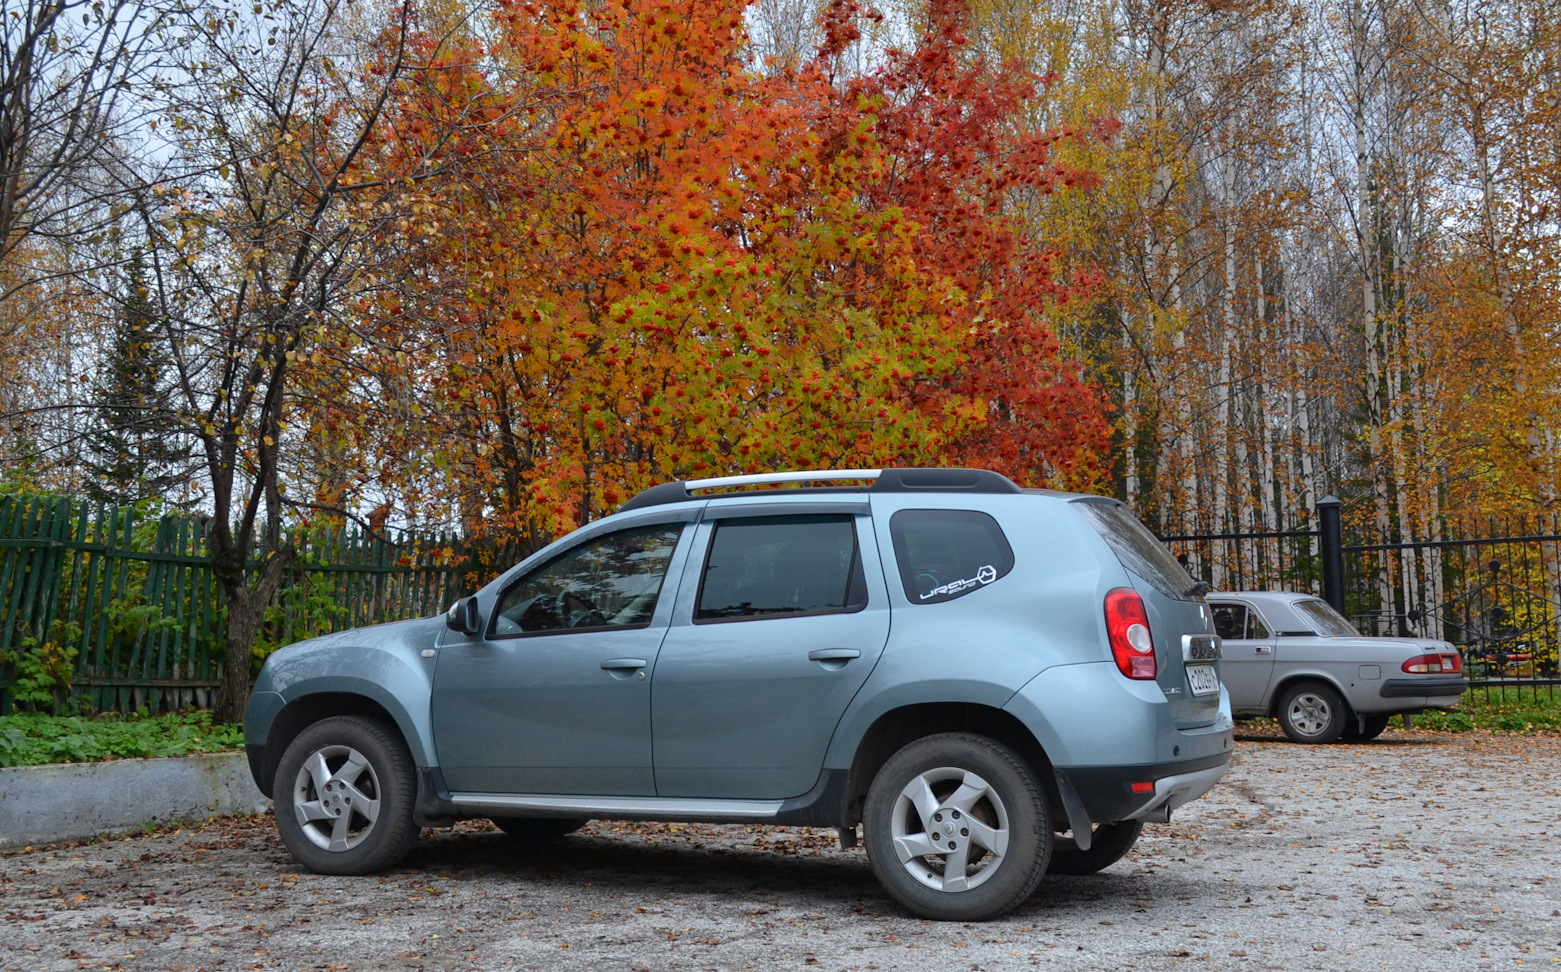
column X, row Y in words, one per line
column 1414, row 852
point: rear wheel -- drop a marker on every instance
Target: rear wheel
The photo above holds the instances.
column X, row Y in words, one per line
column 957, row 828
column 1108, row 844
column 1312, row 712
column 344, row 791
column 539, row 828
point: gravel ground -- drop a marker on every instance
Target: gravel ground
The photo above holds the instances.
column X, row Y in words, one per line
column 1414, row 852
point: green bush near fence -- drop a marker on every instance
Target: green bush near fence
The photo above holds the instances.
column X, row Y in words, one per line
column 32, row 740
column 1525, row 712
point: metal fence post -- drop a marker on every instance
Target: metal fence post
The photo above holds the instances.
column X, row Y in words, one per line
column 1333, row 551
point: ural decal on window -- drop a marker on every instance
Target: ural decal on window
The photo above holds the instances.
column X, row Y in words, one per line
column 985, row 575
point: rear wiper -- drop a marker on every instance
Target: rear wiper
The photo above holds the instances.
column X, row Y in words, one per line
column 1198, row 589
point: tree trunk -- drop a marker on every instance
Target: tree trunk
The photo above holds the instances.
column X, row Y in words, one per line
column 243, row 626
column 1366, row 238
column 246, row 611
column 1130, row 488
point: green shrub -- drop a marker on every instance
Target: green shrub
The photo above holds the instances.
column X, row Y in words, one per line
column 44, row 670
column 1457, row 721
column 32, row 740
column 1505, row 710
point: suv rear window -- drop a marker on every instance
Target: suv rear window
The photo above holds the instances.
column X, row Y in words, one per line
column 781, row 565
column 944, row 554
column 1140, row 551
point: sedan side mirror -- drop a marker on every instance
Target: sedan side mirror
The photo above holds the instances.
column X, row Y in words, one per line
column 464, row 617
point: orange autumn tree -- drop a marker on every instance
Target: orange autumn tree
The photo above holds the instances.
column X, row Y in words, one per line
column 648, row 261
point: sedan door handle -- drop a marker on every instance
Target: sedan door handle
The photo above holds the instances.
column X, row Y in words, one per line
column 1264, row 649
column 624, row 664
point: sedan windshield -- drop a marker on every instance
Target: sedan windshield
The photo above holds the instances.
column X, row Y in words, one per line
column 1324, row 619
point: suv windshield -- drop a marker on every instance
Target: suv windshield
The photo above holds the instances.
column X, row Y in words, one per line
column 1324, row 619
column 1138, row 549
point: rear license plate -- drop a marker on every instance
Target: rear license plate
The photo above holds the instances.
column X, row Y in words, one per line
column 1203, row 680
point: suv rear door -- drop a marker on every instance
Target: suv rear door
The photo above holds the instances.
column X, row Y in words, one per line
column 781, row 616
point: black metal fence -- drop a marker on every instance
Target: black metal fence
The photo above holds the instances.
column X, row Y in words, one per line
column 1494, row 592
column 1497, row 596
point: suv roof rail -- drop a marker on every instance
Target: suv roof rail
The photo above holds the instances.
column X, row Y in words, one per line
column 884, row 481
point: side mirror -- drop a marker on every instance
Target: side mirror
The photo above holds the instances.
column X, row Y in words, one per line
column 464, row 617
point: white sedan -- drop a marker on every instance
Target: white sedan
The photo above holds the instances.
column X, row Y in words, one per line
column 1292, row 656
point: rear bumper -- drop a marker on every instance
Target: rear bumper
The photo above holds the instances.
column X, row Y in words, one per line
column 1174, row 791
column 1431, row 691
column 1106, row 793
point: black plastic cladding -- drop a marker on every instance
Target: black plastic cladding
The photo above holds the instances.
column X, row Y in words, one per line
column 889, row 481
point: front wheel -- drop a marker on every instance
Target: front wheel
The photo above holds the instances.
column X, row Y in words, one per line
column 957, row 828
column 1108, row 844
column 1312, row 713
column 344, row 791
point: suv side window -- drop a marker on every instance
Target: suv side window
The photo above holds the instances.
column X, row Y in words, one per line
column 611, row 581
column 781, row 565
column 944, row 554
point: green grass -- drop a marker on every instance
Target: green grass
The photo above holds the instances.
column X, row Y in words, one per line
column 32, row 740
column 1521, row 711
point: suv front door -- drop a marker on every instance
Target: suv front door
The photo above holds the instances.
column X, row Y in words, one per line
column 555, row 697
column 781, row 621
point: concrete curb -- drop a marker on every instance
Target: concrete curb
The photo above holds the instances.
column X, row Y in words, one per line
column 75, row 801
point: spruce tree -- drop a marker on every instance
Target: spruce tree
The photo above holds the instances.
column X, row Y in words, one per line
column 135, row 450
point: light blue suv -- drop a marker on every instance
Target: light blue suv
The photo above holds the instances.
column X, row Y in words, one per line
column 997, row 682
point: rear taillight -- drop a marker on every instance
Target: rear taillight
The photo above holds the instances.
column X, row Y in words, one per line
column 1445, row 663
column 1127, row 627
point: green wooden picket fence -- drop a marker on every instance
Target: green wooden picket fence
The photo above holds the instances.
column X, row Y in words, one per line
column 120, row 610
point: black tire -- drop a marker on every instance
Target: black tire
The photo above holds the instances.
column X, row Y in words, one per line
column 987, row 810
column 539, row 828
column 1312, row 712
column 1365, row 729
column 1108, row 844
column 344, row 791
